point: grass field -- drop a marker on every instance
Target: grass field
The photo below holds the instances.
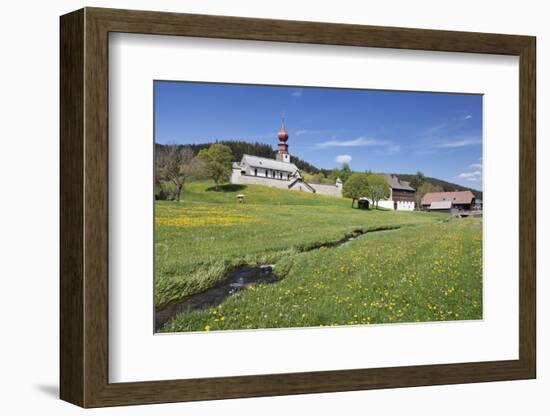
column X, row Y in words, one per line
column 429, row 269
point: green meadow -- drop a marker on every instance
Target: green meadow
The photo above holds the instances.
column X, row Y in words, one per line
column 429, row 269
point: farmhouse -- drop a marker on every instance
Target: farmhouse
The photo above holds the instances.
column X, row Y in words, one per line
column 447, row 201
column 279, row 172
column 402, row 195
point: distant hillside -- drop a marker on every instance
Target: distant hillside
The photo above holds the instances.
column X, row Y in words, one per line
column 239, row 148
column 264, row 150
column 447, row 186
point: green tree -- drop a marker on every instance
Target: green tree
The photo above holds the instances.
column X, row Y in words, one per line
column 345, row 172
column 377, row 188
column 318, row 178
column 335, row 174
column 424, row 189
column 418, row 180
column 217, row 159
column 355, row 187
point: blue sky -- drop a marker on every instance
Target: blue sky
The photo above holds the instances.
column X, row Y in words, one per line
column 383, row 131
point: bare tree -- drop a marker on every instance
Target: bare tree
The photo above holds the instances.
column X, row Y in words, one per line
column 171, row 162
column 196, row 170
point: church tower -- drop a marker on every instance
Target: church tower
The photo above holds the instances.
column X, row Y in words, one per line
column 282, row 153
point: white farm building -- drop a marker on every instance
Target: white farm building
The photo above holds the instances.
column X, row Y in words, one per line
column 402, row 195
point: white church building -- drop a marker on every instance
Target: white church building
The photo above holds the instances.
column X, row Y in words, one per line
column 282, row 173
column 279, row 172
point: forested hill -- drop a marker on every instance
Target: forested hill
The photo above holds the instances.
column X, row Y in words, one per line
column 447, row 186
column 239, row 148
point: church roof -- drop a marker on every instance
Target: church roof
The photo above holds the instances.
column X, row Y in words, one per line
column 263, row 162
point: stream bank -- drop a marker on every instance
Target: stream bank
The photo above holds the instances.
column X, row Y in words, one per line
column 241, row 278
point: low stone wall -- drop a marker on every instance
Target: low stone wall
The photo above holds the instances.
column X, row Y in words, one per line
column 237, row 178
column 331, row 190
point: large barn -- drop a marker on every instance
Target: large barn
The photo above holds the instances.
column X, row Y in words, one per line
column 448, row 201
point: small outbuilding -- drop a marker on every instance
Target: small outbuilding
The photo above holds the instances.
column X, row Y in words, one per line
column 363, row 203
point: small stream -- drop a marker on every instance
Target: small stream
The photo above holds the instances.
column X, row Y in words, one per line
column 239, row 279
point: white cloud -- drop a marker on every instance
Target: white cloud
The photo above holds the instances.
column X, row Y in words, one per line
column 454, row 143
column 472, row 175
column 343, row 158
column 297, row 93
column 466, row 175
column 394, row 148
column 431, row 130
column 448, row 125
column 317, row 132
column 360, row 141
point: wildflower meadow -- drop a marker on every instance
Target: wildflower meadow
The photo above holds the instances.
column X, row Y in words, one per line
column 411, row 267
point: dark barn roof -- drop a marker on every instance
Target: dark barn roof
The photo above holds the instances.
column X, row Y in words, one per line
column 396, row 183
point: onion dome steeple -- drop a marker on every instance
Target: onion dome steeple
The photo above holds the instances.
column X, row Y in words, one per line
column 283, row 134
column 282, row 152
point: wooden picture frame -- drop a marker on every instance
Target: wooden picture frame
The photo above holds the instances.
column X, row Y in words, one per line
column 84, row 207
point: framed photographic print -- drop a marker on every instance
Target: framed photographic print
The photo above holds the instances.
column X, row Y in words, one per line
column 255, row 207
